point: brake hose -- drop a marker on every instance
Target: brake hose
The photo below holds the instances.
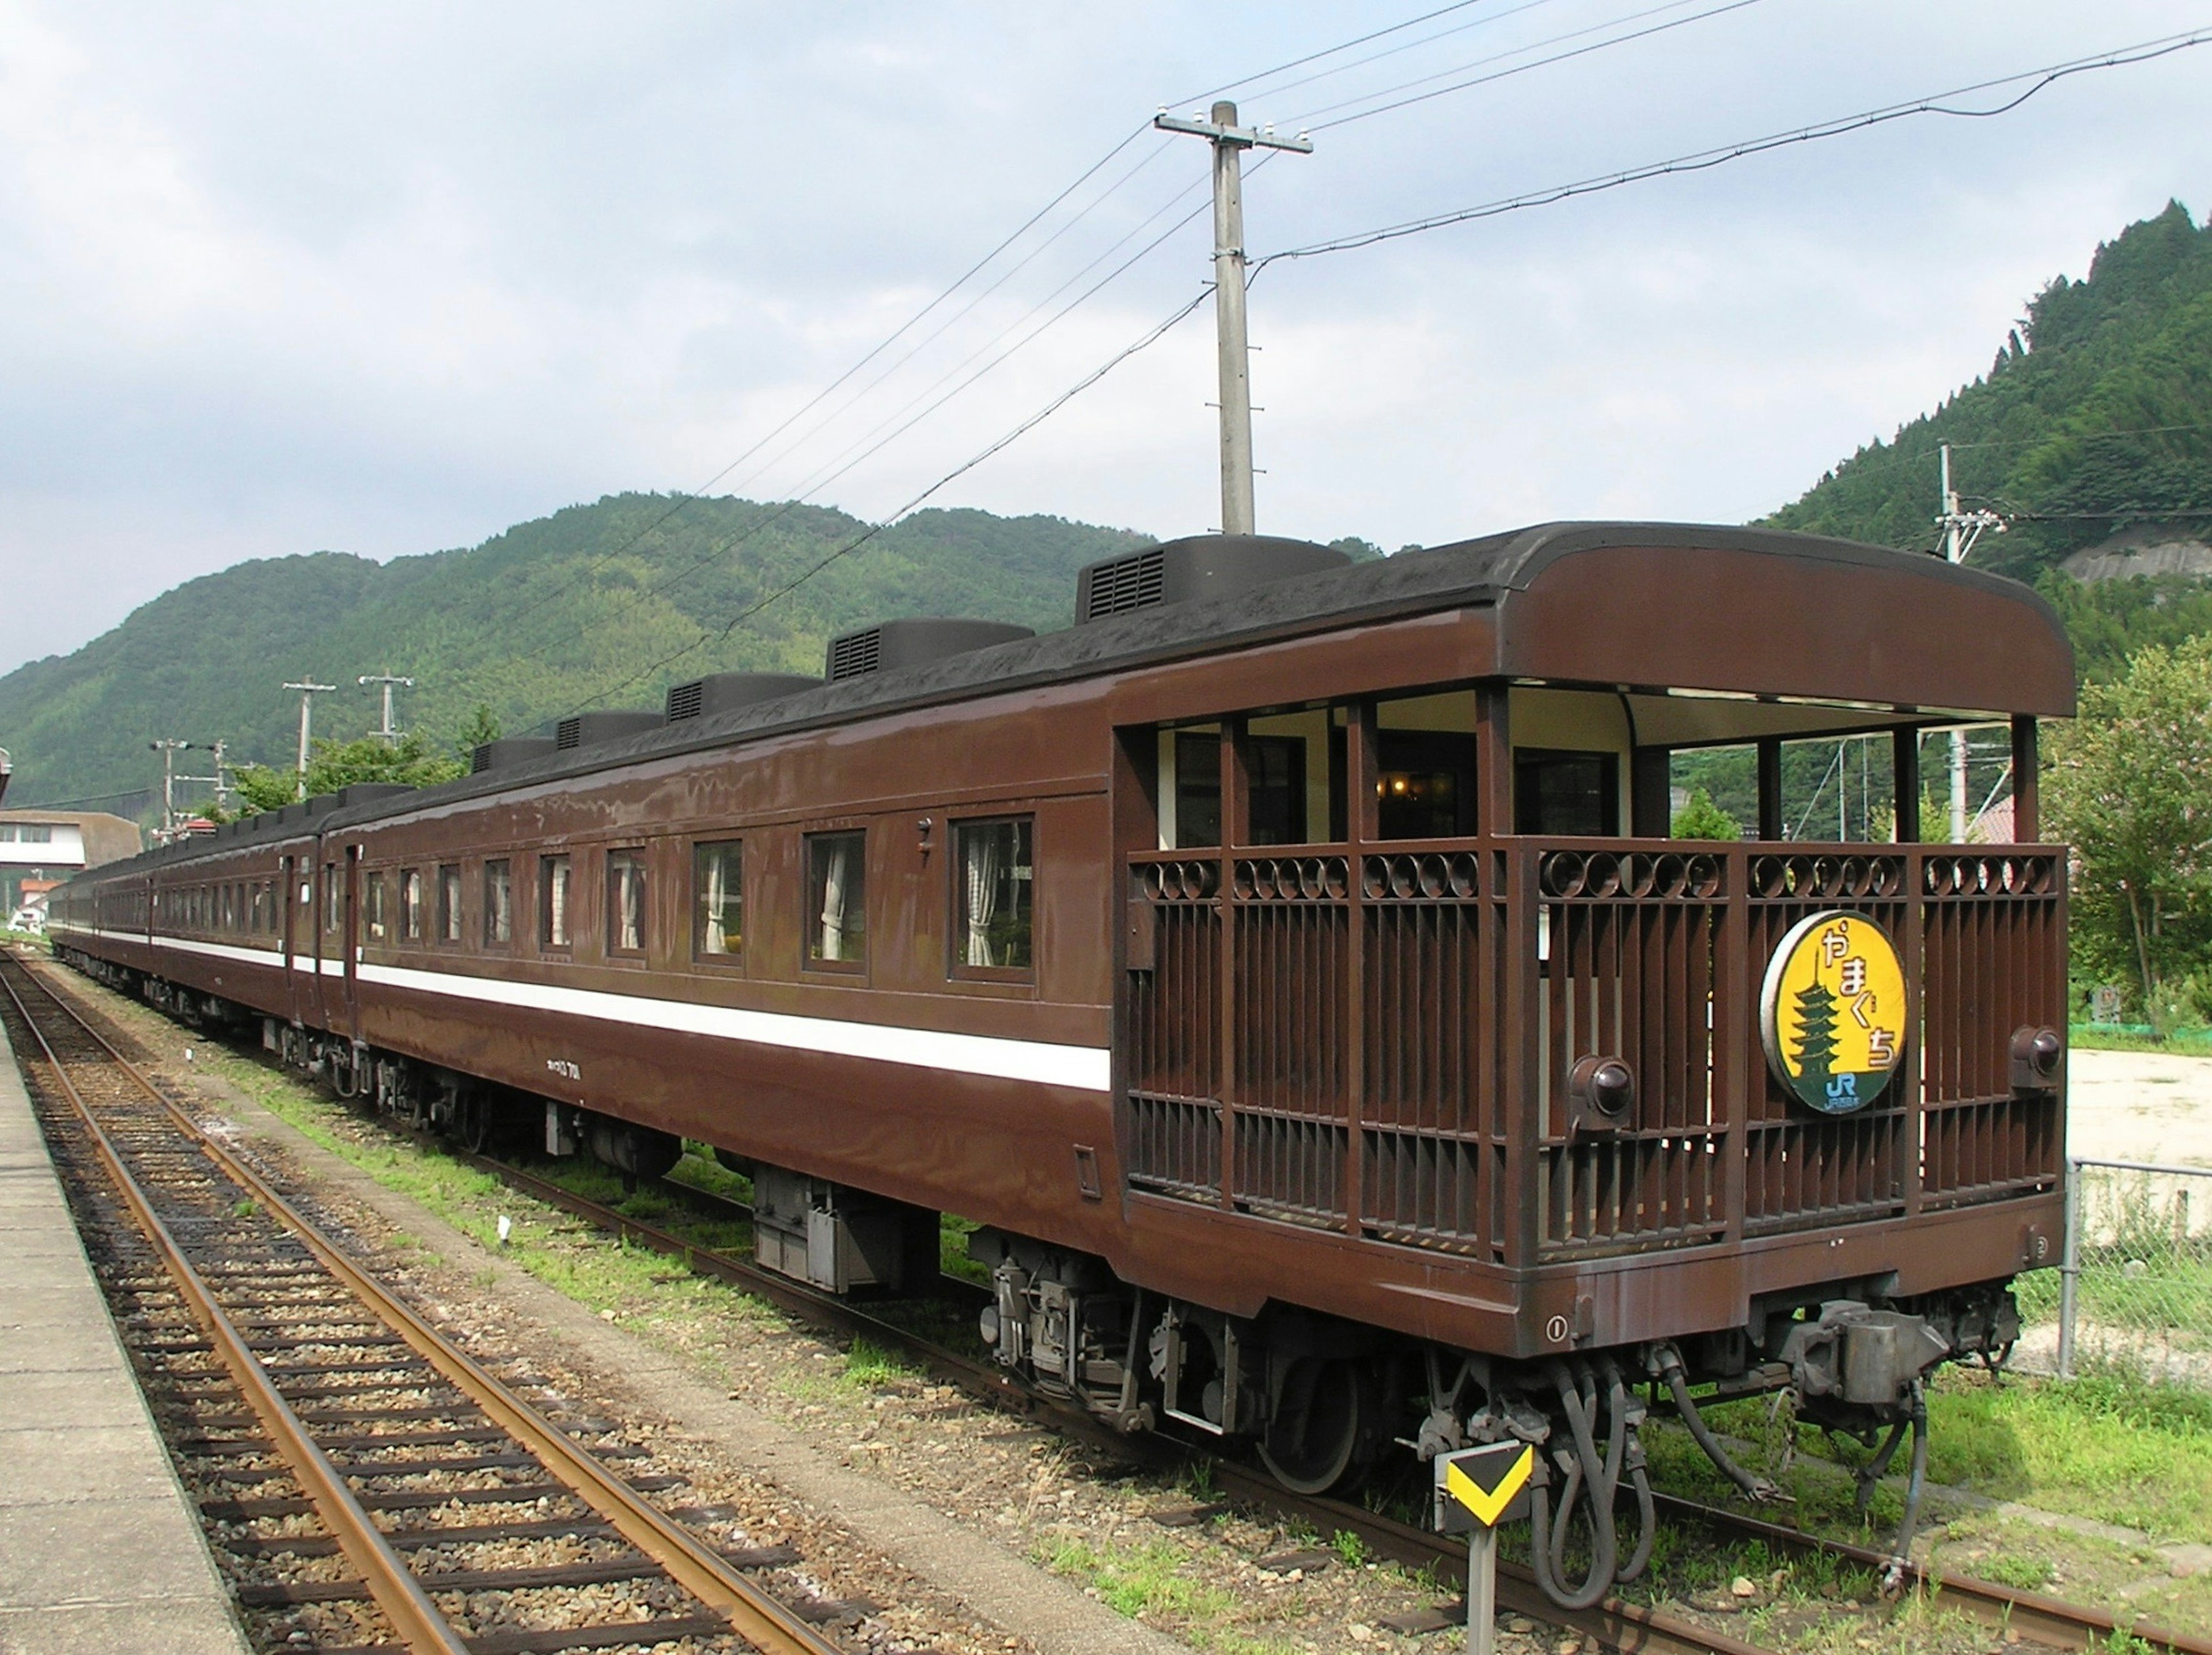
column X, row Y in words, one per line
column 1617, row 1398
column 1678, row 1383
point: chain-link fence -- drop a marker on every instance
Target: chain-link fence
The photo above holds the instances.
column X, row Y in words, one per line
column 2133, row 1292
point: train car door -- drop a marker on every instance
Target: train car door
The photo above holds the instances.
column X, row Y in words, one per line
column 346, row 1018
column 287, row 874
column 321, row 878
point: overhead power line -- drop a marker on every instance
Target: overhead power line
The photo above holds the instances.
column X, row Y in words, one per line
column 849, row 460
column 692, row 495
column 1310, row 120
column 1328, row 51
column 714, row 635
column 1704, row 159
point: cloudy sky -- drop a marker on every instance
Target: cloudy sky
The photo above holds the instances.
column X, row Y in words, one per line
column 388, row 279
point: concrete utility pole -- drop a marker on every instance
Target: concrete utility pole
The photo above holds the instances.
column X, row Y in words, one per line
column 220, row 780
column 1230, row 143
column 308, row 691
column 391, row 736
column 1961, row 529
column 168, row 749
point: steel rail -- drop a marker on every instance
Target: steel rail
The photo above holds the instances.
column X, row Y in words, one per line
column 413, row 1615
column 752, row 1614
column 1617, row 1623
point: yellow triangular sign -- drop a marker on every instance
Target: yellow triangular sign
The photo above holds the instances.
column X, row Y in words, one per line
column 1487, row 1505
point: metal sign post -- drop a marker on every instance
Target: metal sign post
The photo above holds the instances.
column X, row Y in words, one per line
column 1477, row 1489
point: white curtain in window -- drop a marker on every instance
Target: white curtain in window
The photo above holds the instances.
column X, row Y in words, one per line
column 717, row 943
column 985, row 859
column 836, row 878
column 633, row 906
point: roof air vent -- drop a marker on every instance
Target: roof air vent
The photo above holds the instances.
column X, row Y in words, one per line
column 1202, row 566
column 725, row 692
column 589, row 729
column 892, row 644
column 362, row 793
column 510, row 750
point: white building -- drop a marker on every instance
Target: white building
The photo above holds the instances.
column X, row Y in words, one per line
column 58, row 844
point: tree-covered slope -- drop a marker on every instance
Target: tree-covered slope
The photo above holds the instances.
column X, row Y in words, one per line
column 2097, row 414
column 598, row 605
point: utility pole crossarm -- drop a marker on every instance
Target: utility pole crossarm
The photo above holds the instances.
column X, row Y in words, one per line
column 1244, row 137
column 1230, row 143
column 387, row 679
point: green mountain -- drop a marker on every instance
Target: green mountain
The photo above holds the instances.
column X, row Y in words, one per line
column 604, row 605
column 2095, row 419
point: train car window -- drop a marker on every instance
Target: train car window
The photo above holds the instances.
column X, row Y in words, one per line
column 498, row 904
column 411, row 905
column 1571, row 794
column 449, row 903
column 372, row 900
column 837, row 894
column 553, row 873
column 626, row 902
column 717, row 901
column 1197, row 789
column 993, row 876
column 333, row 905
column 1275, row 768
column 1424, row 784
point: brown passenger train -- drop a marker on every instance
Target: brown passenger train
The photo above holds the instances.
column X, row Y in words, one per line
column 1287, row 968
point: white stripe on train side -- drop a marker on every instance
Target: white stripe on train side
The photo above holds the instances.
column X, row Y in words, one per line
column 1083, row 1068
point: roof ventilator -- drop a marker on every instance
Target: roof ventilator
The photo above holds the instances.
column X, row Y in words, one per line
column 589, row 729
column 1200, row 566
column 890, row 645
column 725, row 692
column 510, row 750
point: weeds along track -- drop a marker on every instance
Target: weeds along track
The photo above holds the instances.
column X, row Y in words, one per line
column 1614, row 1623
column 368, row 1484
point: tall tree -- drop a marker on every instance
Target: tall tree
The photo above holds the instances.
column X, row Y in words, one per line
column 2130, row 787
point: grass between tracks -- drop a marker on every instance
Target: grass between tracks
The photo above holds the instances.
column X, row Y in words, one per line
column 2101, row 1447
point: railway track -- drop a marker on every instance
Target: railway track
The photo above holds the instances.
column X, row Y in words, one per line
column 1614, row 1623
column 382, row 1488
column 1617, row 1623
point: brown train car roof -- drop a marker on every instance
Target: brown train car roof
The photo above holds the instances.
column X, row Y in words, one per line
column 1660, row 605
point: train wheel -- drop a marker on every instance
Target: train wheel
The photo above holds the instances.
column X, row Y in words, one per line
column 1320, row 1419
column 473, row 1127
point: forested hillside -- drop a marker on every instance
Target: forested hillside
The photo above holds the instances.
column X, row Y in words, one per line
column 2096, row 414
column 550, row 615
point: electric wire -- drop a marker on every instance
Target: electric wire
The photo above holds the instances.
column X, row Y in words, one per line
column 1704, row 159
column 1310, row 120
column 2144, row 51
column 679, row 502
column 865, row 445
column 716, row 634
column 1330, row 51
column 688, row 495
column 1391, row 51
column 977, row 298
column 822, row 479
